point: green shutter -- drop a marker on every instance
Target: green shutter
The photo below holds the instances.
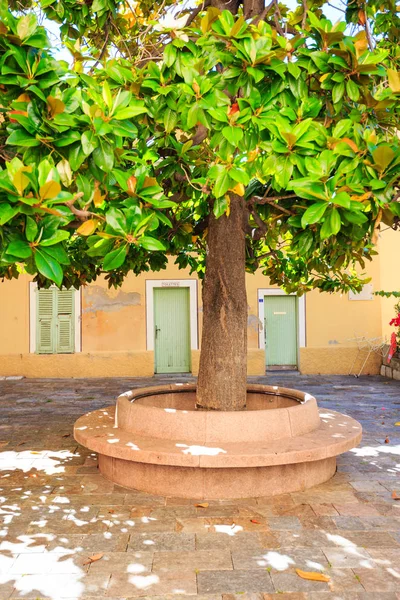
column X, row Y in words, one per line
column 55, row 321
column 45, row 323
column 65, row 321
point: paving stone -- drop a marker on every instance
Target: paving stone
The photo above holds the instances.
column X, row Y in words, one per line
column 161, row 542
column 379, row 580
column 291, row 582
column 154, row 583
column 307, row 559
column 122, row 562
column 239, row 541
column 200, row 560
column 234, row 581
column 349, row 557
column 284, row 523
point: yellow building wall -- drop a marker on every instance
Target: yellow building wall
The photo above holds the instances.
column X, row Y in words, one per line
column 389, row 242
column 113, row 327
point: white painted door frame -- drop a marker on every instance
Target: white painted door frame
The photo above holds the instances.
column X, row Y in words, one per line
column 301, row 315
column 171, row 283
column 33, row 289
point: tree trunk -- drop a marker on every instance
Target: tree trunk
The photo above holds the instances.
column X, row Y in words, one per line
column 223, row 360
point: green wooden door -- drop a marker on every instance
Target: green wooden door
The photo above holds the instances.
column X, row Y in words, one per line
column 280, row 327
column 172, row 330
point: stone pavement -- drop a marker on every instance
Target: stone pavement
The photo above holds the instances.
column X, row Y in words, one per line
column 57, row 511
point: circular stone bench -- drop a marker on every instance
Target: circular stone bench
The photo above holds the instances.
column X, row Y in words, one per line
column 155, row 440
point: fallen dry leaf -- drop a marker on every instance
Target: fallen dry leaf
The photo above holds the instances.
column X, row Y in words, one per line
column 94, row 558
column 395, row 496
column 34, row 452
column 202, row 505
column 254, row 521
column 66, row 435
column 397, row 424
column 312, row 576
column 111, row 511
column 387, row 441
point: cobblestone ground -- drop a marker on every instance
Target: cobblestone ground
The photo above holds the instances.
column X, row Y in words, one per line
column 57, row 511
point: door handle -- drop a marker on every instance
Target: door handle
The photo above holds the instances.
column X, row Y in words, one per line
column 157, row 329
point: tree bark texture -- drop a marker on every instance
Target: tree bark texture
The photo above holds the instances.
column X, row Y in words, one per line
column 223, row 361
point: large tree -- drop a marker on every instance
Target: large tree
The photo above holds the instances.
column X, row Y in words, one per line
column 233, row 135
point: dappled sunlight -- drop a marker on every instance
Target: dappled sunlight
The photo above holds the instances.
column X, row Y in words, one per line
column 47, row 461
column 230, row 530
column 200, row 450
column 143, row 582
column 373, row 451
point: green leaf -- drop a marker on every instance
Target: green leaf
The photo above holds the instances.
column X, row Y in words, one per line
column 89, row 142
column 337, row 92
column 150, row 243
column 305, row 242
column 103, row 157
column 59, row 236
column 20, row 249
column 22, row 138
column 169, row 55
column 342, row 199
column 220, row 207
column 67, row 138
column 170, row 120
column 222, row 184
column 116, row 219
column 48, row 266
column 239, row 175
column 335, row 221
column 232, row 134
column 31, row 229
column 107, row 97
column 130, row 111
column 352, row 90
column 115, row 258
column 7, row 212
column 314, row 213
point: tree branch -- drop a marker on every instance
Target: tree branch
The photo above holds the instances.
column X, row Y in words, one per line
column 197, row 10
column 273, row 202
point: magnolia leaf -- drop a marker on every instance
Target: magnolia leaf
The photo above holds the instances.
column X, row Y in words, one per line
column 20, row 181
column 314, row 213
column 131, row 183
column 150, row 243
column 49, row 190
column 115, row 258
column 65, row 172
column 311, row 576
column 394, row 80
column 20, row 249
column 48, row 266
column 88, row 227
column 93, row 558
column 26, row 26
column 55, row 106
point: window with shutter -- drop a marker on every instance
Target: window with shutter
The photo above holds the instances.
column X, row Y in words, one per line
column 55, row 321
column 65, row 321
column 45, row 322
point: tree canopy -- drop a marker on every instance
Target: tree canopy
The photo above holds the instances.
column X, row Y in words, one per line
column 115, row 162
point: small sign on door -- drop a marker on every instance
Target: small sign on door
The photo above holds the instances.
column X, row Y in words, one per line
column 279, row 313
column 170, row 284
